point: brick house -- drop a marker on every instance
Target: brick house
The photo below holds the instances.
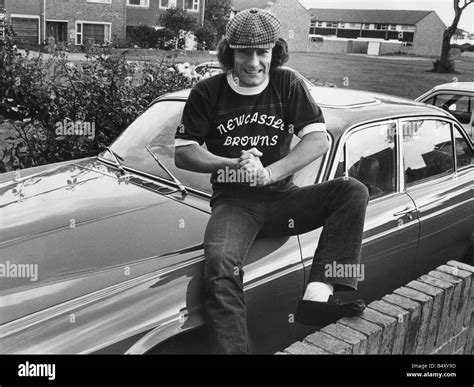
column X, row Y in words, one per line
column 77, row 21
column 295, row 19
column 147, row 12
column 414, row 32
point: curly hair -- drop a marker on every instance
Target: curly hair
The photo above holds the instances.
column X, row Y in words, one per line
column 225, row 54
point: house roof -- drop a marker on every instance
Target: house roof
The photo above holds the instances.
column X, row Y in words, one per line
column 240, row 5
column 382, row 16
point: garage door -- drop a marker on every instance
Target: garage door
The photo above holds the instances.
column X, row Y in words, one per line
column 26, row 29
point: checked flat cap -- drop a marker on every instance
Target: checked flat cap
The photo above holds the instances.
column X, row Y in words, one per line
column 253, row 28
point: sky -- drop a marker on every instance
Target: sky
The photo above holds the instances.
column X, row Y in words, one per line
column 444, row 8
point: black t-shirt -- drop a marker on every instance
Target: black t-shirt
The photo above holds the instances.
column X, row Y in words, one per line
column 229, row 122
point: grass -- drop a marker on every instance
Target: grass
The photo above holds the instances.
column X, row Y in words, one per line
column 403, row 76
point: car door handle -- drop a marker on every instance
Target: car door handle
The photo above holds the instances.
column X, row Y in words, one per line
column 406, row 211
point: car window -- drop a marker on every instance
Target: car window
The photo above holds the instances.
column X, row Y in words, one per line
column 464, row 154
column 427, row 149
column 156, row 129
column 371, row 158
column 453, row 102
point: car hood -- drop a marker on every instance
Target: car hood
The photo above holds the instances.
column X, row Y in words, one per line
column 75, row 228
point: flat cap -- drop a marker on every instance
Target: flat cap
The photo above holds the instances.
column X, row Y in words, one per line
column 253, row 28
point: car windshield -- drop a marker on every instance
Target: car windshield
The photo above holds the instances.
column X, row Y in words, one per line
column 156, row 129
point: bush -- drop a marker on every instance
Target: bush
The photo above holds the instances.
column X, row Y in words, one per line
column 38, row 97
column 206, row 36
column 444, row 67
column 142, row 36
column 165, row 39
column 177, row 19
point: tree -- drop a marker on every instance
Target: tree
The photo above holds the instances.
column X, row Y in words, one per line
column 177, row 19
column 445, row 64
column 217, row 13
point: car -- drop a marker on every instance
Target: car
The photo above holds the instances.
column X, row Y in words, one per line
column 116, row 241
column 457, row 98
column 211, row 67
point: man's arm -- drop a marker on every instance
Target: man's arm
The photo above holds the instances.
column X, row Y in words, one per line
column 311, row 147
column 197, row 159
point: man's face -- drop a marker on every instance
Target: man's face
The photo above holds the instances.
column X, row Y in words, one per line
column 251, row 66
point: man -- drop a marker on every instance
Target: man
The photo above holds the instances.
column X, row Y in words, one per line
column 247, row 118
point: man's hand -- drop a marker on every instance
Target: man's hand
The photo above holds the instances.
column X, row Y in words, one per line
column 249, row 161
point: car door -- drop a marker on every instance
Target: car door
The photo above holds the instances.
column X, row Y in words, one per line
column 440, row 182
column 460, row 105
column 370, row 154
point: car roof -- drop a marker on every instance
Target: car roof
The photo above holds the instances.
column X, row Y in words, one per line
column 458, row 86
column 343, row 108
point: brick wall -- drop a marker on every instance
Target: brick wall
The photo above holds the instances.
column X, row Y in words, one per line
column 149, row 16
column 295, row 23
column 114, row 13
column 429, row 36
column 72, row 11
column 432, row 315
column 331, row 46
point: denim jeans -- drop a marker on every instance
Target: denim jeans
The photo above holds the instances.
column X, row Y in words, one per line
column 338, row 205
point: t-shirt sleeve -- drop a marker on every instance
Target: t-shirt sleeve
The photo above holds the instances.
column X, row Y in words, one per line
column 305, row 115
column 195, row 121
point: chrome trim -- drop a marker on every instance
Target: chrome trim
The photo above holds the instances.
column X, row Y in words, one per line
column 343, row 139
column 447, row 208
column 152, row 338
column 82, row 301
column 154, row 178
column 326, row 160
column 276, row 274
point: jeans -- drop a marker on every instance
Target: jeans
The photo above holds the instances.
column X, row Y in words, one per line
column 338, row 205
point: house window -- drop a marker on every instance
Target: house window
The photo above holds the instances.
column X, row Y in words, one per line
column 167, row 4
column 408, row 28
column 138, row 3
column 354, row 25
column 342, row 25
column 381, row 27
column 93, row 33
column 393, row 27
column 331, row 24
column 320, row 24
column 191, row 5
column 100, row 1
column 366, row 26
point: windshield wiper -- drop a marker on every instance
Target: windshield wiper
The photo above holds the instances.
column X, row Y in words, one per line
column 117, row 159
column 176, row 181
